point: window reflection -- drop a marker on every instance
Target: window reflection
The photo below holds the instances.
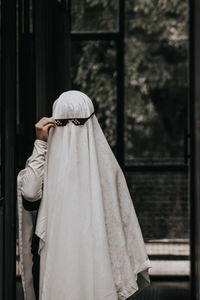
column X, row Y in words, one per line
column 98, row 16
column 94, row 72
column 156, row 80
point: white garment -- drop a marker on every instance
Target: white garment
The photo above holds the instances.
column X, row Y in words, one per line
column 29, row 185
column 34, row 171
column 91, row 245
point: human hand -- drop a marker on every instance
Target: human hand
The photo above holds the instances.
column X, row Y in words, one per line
column 42, row 128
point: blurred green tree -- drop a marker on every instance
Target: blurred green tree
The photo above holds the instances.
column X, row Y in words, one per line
column 156, row 73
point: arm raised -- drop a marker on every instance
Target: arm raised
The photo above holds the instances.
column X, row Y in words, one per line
column 34, row 169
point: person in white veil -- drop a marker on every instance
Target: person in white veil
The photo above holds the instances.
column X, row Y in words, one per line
column 90, row 242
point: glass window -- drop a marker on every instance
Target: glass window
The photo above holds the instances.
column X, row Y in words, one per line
column 93, row 71
column 94, row 16
column 156, row 81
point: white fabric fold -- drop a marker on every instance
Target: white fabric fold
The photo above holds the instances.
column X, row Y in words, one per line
column 29, row 185
column 91, row 245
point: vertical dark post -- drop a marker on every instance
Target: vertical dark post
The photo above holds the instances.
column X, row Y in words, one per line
column 1, row 250
column 43, row 54
column 61, row 47
column 26, row 80
column 1, row 170
column 8, row 94
column 52, row 49
column 195, row 146
column 120, row 86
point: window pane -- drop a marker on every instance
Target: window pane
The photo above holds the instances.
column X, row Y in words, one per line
column 161, row 203
column 93, row 16
column 93, row 71
column 156, row 80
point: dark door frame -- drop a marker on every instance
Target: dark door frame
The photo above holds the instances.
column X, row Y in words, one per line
column 8, row 113
column 195, row 147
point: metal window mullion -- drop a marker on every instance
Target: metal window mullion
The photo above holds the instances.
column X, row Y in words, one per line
column 195, row 148
column 120, row 86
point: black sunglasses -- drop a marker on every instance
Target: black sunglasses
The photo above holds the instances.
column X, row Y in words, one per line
column 76, row 121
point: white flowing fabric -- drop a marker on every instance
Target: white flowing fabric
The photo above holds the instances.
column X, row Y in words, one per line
column 91, row 246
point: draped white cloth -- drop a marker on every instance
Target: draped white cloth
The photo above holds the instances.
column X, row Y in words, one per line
column 29, row 185
column 91, row 245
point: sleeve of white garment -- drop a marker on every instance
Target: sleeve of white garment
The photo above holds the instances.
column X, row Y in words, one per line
column 32, row 180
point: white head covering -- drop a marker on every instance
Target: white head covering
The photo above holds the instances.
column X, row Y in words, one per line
column 91, row 245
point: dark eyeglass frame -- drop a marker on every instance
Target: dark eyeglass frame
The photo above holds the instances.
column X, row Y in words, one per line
column 76, row 121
